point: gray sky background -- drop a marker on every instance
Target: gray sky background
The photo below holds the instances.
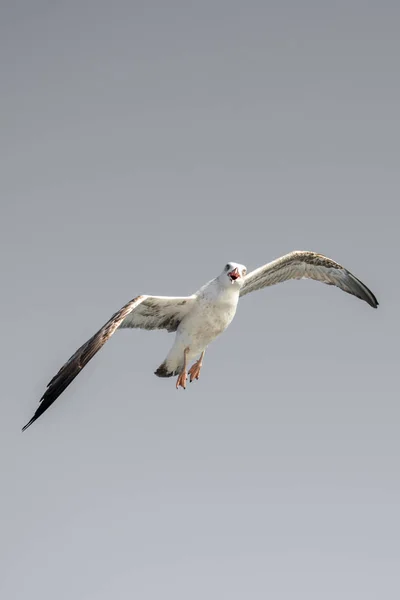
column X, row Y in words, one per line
column 143, row 145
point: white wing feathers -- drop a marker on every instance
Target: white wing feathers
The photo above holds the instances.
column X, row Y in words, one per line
column 307, row 265
column 158, row 312
column 144, row 312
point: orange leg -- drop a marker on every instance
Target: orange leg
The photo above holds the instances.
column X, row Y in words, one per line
column 182, row 377
column 194, row 371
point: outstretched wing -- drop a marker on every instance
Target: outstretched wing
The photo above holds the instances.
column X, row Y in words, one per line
column 144, row 312
column 158, row 312
column 307, row 265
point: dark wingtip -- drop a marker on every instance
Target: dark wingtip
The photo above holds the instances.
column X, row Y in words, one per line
column 29, row 423
column 39, row 411
column 371, row 300
column 364, row 293
column 374, row 301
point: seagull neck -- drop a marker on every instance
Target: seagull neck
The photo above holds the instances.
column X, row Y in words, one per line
column 223, row 292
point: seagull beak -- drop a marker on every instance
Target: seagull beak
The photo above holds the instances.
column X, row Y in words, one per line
column 234, row 274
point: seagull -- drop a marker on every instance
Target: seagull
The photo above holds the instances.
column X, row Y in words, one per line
column 200, row 318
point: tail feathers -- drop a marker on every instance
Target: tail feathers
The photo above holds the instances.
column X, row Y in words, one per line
column 166, row 371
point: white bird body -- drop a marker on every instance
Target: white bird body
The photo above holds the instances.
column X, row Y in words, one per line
column 200, row 318
column 212, row 311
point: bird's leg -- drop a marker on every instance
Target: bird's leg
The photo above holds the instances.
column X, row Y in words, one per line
column 182, row 377
column 195, row 369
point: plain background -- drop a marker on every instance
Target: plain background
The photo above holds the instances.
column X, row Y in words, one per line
column 143, row 145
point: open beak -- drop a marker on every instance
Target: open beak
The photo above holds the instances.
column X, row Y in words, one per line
column 234, row 274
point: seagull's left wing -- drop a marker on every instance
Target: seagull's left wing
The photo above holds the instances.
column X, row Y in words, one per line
column 307, row 265
column 143, row 312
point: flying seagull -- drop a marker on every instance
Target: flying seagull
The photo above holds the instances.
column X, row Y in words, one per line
column 200, row 318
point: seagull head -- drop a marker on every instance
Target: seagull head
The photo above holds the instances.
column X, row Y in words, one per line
column 233, row 274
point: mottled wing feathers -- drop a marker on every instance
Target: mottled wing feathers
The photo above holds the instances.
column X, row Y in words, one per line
column 157, row 313
column 307, row 265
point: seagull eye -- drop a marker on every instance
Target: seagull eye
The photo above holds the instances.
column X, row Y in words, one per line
column 227, row 267
column 244, row 272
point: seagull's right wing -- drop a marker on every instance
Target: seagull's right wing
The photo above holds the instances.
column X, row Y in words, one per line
column 307, row 265
column 144, row 312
